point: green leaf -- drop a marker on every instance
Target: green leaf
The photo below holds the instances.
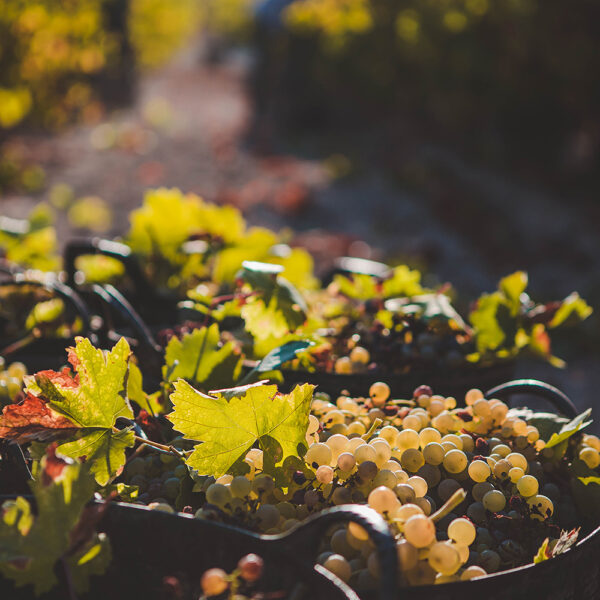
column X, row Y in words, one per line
column 359, row 286
column 201, row 357
column 281, row 355
column 230, row 422
column 586, row 496
column 403, row 282
column 572, row 310
column 277, row 310
column 31, row 547
column 512, row 286
column 588, row 480
column 543, row 553
column 488, row 332
column 546, row 423
column 570, row 428
column 45, row 313
column 93, row 401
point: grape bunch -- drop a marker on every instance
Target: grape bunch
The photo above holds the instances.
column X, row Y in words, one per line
column 466, row 491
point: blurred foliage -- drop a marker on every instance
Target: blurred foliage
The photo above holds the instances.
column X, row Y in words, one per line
column 232, row 17
column 160, row 27
column 507, row 76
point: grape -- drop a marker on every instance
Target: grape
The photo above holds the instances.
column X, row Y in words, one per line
column 481, row 408
column 358, row 532
column 412, row 460
column 407, row 438
column 337, row 443
column 462, row 531
column 367, row 470
column 503, row 450
column 171, row 487
column 354, row 443
column 406, row 493
column 346, row 462
column 472, row 572
column 136, row 466
column 318, row 454
column 408, row 555
column 446, row 488
column 501, row 469
column 481, row 489
column 379, row 393
column 515, row 474
column 479, row 471
column 433, row 453
column 468, row 444
column 268, row 516
column 406, row 511
column 476, row 512
column 489, row 560
column 419, row 531
column 453, row 439
column 382, row 450
column 339, row 566
column 161, row 507
column 217, row 494
column 340, row 545
column 343, row 366
column 324, row 474
column 383, row 500
column 313, row 424
column 365, row 453
column 360, row 355
column 385, row 478
column 455, row 461
column 256, row 456
column 431, row 474
column 444, row 558
column 263, row 484
column 494, row 501
column 251, row 567
column 240, row 487
column 542, row 505
column 411, row 422
column 590, row 456
column 418, row 484
column 429, row 435
column 214, row 582
column 527, row 486
column 472, row 396
column 424, row 504
column 592, row 441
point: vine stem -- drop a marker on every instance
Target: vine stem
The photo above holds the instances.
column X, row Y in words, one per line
column 18, row 345
column 450, row 504
column 376, row 423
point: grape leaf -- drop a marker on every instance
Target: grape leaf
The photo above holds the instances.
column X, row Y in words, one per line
column 572, row 309
column 512, row 286
column 543, row 552
column 83, row 408
column 489, row 333
column 281, row 355
column 229, row 422
column 569, row 429
column 201, row 358
column 586, row 496
column 588, row 480
column 359, row 286
column 403, row 282
column 278, row 309
column 62, row 529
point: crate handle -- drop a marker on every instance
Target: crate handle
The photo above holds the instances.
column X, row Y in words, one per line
column 121, row 252
column 303, row 541
column 558, row 399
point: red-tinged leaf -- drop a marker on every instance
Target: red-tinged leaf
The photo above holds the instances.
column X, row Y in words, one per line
column 54, row 465
column 63, row 378
column 33, row 419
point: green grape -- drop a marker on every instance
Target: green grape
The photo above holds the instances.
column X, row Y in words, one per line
column 324, row 474
column 386, row 478
column 444, row 558
column 383, row 500
column 379, row 393
column 365, row 453
column 479, row 471
column 433, row 453
column 419, row 531
column 346, row 462
column 136, row 466
column 218, row 494
column 590, row 456
column 412, row 460
column 405, row 493
column 268, row 516
column 418, row 484
column 455, row 461
column 429, row 435
column 501, row 469
column 462, row 531
column 171, row 487
column 527, row 486
column 472, row 572
column 408, row 555
column 240, row 487
column 481, row 489
column 494, row 501
column 339, row 566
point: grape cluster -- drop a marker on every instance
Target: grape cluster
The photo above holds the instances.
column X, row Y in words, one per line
column 466, row 491
column 11, row 381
